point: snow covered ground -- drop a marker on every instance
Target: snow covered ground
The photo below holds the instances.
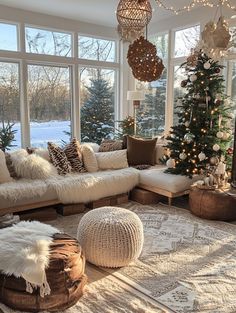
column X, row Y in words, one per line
column 41, row 133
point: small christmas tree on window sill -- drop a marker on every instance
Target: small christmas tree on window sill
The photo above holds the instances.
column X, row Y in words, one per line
column 203, row 134
column 7, row 135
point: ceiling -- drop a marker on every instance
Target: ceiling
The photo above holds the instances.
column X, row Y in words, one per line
column 101, row 12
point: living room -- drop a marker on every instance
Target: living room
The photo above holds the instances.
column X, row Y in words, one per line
column 117, row 156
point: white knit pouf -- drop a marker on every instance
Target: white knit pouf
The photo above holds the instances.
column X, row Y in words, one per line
column 111, row 236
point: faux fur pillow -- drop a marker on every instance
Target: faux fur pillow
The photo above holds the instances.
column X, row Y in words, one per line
column 89, row 158
column 112, row 160
column 74, row 156
column 110, row 145
column 59, row 159
column 32, row 166
column 10, row 166
column 4, row 173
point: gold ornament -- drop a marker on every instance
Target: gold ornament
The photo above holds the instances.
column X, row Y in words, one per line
column 143, row 60
column 192, row 59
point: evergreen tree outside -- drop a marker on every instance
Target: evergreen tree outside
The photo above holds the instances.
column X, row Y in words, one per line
column 203, row 135
column 97, row 112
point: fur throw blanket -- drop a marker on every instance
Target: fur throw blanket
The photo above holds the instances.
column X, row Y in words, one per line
column 24, row 250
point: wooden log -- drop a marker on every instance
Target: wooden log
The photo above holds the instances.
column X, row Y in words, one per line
column 70, row 209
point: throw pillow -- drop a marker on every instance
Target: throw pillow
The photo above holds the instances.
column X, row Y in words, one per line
column 141, row 151
column 59, row 159
column 110, row 145
column 43, row 153
column 93, row 145
column 112, row 160
column 89, row 158
column 10, row 166
column 4, row 173
column 74, row 156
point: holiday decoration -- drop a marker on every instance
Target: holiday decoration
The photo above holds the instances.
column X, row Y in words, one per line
column 129, row 34
column 207, row 65
column 216, row 147
column 216, row 39
column 183, row 156
column 192, row 59
column 143, row 60
column 189, row 137
column 219, row 134
column 202, row 156
column 184, row 83
column 193, row 77
column 170, row 163
column 206, row 123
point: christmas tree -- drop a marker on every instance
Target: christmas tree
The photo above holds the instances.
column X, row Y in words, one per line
column 203, row 135
column 97, row 113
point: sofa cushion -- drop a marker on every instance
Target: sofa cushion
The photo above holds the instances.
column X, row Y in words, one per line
column 112, row 160
column 141, row 151
column 4, row 173
column 59, row 159
column 89, row 158
column 88, row 187
column 111, row 145
column 155, row 177
column 74, row 155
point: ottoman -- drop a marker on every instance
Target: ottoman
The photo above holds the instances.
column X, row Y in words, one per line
column 110, row 236
column 65, row 276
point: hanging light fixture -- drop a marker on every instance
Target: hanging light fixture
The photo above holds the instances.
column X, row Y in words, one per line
column 133, row 16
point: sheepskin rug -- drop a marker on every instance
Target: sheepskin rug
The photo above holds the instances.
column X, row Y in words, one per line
column 24, row 250
column 93, row 186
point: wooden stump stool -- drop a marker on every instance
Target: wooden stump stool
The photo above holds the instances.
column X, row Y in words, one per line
column 65, row 276
column 212, row 204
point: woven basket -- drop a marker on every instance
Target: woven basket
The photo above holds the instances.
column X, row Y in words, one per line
column 65, row 276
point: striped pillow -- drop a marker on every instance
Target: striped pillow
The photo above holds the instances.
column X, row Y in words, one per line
column 74, row 156
column 59, row 159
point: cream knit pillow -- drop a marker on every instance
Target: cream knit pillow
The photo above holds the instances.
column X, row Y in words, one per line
column 89, row 158
column 4, row 173
column 112, row 160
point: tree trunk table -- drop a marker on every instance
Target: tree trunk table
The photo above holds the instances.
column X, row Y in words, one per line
column 213, row 204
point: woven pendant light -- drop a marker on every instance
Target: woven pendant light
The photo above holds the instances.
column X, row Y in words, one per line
column 134, row 14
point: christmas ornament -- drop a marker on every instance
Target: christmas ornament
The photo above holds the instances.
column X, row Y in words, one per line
column 214, row 160
column 183, row 156
column 217, row 102
column 201, row 156
column 217, row 70
column 189, row 137
column 170, row 163
column 192, row 59
column 193, row 78
column 184, row 83
column 207, row 65
column 225, row 136
column 219, row 134
column 186, row 124
column 143, row 60
column 216, row 147
column 230, row 151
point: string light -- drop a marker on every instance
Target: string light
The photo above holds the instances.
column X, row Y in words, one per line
column 194, row 3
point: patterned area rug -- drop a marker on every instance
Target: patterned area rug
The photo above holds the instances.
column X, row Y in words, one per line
column 187, row 264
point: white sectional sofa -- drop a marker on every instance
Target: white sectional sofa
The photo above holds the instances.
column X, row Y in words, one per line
column 24, row 194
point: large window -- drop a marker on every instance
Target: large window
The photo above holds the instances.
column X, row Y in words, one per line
column 179, row 76
column 151, row 113
column 10, row 100
column 47, row 42
column 97, row 49
column 8, row 37
column 49, row 99
column 185, row 40
column 97, row 93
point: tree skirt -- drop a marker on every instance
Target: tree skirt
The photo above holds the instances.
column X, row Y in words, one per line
column 188, row 264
